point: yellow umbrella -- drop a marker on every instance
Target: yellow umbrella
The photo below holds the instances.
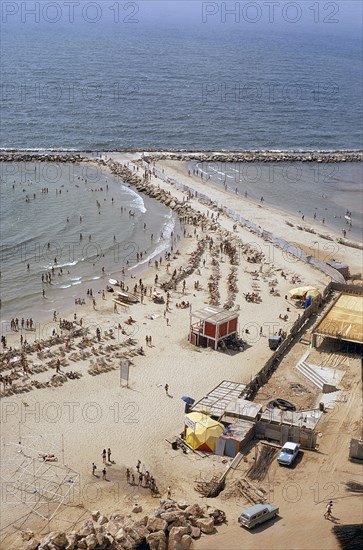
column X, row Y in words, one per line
column 301, row 291
column 202, row 431
column 314, row 293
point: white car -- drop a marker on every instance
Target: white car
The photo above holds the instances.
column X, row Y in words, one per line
column 257, row 514
column 288, row 453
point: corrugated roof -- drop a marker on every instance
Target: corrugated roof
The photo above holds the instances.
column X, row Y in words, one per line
column 216, row 401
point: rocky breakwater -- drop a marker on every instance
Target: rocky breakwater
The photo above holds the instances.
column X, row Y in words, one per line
column 41, row 157
column 172, row 526
column 261, row 156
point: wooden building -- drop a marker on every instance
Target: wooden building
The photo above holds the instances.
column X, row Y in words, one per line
column 211, row 325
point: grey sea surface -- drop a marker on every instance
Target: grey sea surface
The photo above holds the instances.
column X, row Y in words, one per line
column 74, row 220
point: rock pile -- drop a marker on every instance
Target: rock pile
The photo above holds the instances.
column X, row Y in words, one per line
column 46, row 157
column 261, row 156
column 172, row 526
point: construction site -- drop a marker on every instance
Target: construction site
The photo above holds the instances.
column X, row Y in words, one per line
column 312, row 396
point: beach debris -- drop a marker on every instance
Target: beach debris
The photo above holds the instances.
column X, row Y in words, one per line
column 260, row 467
column 210, row 488
column 244, row 488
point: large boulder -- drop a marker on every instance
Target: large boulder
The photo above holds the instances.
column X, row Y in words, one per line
column 186, row 542
column 167, row 504
column 102, row 520
column 113, row 527
column 179, row 522
column 206, row 525
column 176, row 536
column 125, row 540
column 71, row 540
column 55, row 538
column 91, row 542
column 156, row 524
column 195, row 510
column 87, row 528
column 101, row 539
column 172, row 516
column 195, row 532
column 32, row 544
column 182, row 504
column 137, row 533
column 157, row 540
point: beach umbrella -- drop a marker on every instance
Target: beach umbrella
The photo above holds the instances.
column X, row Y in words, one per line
column 301, row 291
column 188, row 400
column 313, row 293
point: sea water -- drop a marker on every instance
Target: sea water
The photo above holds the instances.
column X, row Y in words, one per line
column 77, row 220
column 328, row 191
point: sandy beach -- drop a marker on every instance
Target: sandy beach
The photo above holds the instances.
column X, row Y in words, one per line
column 75, row 419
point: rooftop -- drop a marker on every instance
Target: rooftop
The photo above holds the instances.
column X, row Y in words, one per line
column 304, row 419
column 344, row 320
column 214, row 314
column 215, row 402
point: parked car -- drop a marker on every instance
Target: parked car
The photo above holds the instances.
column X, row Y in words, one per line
column 257, row 514
column 288, row 453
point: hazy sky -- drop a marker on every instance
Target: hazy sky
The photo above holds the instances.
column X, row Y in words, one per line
column 323, row 16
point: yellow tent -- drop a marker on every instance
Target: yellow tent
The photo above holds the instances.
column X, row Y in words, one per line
column 300, row 292
column 202, row 432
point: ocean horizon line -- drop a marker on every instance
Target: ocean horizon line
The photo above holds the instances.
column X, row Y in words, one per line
column 172, row 150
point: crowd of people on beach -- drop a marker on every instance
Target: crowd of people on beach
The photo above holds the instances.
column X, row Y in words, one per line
column 23, row 324
column 143, row 479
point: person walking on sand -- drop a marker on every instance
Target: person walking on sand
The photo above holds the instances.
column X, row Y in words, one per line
column 94, row 468
column 109, row 454
column 138, row 465
column 166, row 388
column 128, row 475
column 104, row 474
column 104, row 456
column 132, row 479
column 169, row 492
column 328, row 510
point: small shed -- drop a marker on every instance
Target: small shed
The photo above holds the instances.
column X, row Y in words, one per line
column 234, row 437
column 211, row 325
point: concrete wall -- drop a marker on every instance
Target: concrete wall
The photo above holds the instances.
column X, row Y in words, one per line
column 271, row 364
column 282, row 433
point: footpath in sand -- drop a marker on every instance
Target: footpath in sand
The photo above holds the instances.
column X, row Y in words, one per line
column 81, row 417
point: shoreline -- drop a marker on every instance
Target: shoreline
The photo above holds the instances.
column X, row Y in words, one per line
column 131, row 178
column 170, row 359
column 315, row 227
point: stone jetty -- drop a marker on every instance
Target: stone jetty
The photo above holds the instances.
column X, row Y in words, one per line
column 206, row 156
